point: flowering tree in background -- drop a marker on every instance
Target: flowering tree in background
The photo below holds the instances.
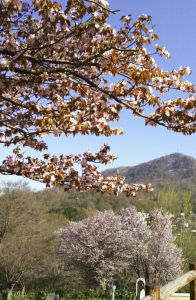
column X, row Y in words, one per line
column 156, row 258
column 164, row 258
column 54, row 67
column 98, row 244
column 105, row 244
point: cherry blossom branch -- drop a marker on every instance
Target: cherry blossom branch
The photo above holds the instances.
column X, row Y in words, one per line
column 103, row 7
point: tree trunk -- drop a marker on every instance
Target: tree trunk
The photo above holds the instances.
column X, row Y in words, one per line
column 9, row 292
column 23, row 291
column 103, row 284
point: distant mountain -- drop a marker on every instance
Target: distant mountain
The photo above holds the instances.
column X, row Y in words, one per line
column 173, row 169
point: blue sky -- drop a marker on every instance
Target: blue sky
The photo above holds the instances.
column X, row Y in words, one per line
column 175, row 23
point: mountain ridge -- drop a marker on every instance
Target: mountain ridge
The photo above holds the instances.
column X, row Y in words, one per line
column 175, row 165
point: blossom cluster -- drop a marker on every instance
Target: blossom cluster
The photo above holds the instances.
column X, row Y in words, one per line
column 59, row 171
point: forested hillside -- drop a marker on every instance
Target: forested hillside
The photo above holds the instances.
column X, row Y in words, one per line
column 175, row 170
column 166, row 167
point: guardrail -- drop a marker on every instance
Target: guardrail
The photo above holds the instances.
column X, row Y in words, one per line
column 155, row 292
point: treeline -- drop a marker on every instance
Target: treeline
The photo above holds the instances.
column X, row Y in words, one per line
column 76, row 206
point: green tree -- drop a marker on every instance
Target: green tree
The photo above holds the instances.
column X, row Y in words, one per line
column 169, row 200
column 186, row 203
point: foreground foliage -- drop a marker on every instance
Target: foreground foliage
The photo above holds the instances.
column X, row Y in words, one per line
column 71, row 293
column 54, row 68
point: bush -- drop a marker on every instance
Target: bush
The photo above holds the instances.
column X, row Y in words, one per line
column 70, row 293
column 41, row 295
column 2, row 295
